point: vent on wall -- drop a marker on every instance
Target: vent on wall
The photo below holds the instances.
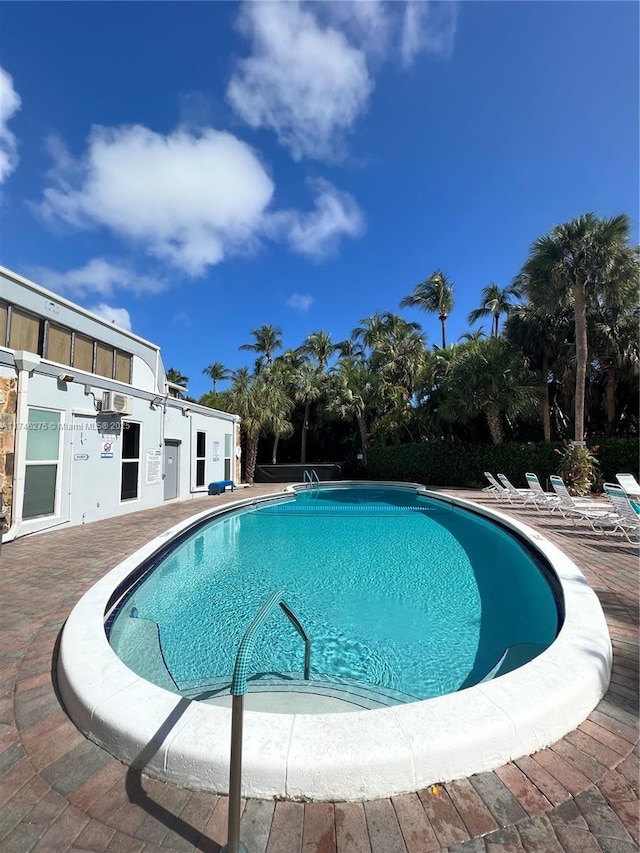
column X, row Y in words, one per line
column 120, row 404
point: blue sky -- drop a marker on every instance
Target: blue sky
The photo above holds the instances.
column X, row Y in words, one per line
column 195, row 170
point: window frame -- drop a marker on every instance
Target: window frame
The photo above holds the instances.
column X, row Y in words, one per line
column 201, row 460
column 126, row 425
column 33, row 463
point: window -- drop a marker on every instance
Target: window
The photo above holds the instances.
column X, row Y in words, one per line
column 83, row 353
column 227, row 457
column 41, row 473
column 123, row 367
column 59, row 344
column 104, row 360
column 26, row 332
column 3, row 324
column 201, row 457
column 130, row 460
column 20, row 330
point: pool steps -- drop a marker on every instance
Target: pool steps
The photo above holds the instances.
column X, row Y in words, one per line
column 356, row 693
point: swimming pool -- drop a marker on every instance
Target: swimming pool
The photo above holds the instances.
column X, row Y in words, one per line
column 358, row 755
column 402, row 598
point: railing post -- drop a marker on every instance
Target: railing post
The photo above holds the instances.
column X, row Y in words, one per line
column 238, row 689
column 234, row 845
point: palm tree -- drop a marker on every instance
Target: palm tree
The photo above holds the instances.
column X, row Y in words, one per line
column 349, row 348
column 283, row 371
column 494, row 301
column 351, row 394
column 542, row 338
column 309, row 379
column 174, row 376
column 319, row 346
column 587, row 257
column 473, row 336
column 400, row 358
column 434, row 295
column 615, row 332
column 217, row 372
column 261, row 404
column 268, row 340
column 491, row 378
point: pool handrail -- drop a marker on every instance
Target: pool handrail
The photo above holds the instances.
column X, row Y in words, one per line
column 238, row 689
column 311, row 477
column 241, row 668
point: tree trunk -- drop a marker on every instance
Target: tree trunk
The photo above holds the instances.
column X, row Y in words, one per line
column 252, row 455
column 305, row 430
column 495, row 426
column 546, row 409
column 274, row 452
column 362, row 428
column 443, row 321
column 581, row 356
column 610, row 398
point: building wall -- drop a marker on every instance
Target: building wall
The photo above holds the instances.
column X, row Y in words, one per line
column 60, row 452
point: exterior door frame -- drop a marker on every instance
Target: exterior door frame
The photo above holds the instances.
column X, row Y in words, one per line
column 174, row 443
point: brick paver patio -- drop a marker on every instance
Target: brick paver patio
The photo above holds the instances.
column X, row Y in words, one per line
column 60, row 792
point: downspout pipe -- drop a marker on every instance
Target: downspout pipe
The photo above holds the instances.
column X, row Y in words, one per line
column 26, row 363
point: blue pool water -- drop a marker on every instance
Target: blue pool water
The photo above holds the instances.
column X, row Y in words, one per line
column 393, row 589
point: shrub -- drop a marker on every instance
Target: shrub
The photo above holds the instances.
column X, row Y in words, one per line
column 450, row 463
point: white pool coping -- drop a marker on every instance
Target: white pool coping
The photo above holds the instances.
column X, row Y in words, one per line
column 354, row 756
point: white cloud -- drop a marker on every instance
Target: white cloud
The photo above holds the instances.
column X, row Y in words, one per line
column 369, row 23
column 96, row 277
column 317, row 233
column 304, row 81
column 187, row 198
column 429, row 26
column 300, row 302
column 118, row 316
column 9, row 104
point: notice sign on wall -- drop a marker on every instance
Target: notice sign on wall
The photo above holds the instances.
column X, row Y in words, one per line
column 153, row 467
column 107, row 450
column 216, row 451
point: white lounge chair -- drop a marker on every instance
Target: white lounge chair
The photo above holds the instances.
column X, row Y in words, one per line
column 495, row 489
column 542, row 498
column 628, row 518
column 569, row 502
column 629, row 484
column 527, row 496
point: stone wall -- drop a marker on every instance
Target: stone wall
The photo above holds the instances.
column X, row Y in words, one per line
column 8, row 404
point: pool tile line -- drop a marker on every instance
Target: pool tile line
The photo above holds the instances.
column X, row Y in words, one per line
column 59, row 794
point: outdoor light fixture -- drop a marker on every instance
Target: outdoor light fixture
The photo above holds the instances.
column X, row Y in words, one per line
column 186, row 411
column 65, row 377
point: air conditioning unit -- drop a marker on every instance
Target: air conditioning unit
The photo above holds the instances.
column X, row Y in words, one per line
column 120, row 404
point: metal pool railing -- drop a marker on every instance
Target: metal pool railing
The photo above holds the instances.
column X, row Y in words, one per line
column 238, row 689
column 311, row 477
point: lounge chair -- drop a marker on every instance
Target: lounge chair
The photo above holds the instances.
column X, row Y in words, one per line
column 542, row 498
column 527, row 496
column 630, row 485
column 569, row 502
column 499, row 492
column 628, row 518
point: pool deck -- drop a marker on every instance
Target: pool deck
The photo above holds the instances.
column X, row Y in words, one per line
column 59, row 792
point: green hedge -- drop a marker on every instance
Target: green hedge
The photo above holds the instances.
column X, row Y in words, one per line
column 446, row 463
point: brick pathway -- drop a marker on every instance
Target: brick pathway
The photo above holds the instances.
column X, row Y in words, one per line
column 59, row 792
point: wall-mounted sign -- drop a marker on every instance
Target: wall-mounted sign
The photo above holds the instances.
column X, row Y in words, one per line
column 80, row 457
column 153, row 467
column 216, row 451
column 107, row 450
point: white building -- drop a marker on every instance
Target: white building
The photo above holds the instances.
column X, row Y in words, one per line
column 89, row 427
